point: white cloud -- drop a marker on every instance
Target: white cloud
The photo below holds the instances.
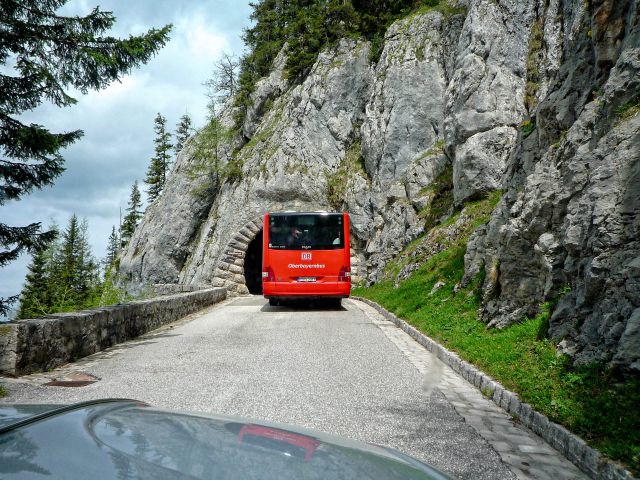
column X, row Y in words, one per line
column 201, row 42
column 118, row 121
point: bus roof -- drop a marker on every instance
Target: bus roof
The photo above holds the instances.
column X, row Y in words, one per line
column 292, row 212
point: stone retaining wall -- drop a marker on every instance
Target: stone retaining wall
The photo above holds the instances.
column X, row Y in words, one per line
column 576, row 450
column 174, row 288
column 28, row 346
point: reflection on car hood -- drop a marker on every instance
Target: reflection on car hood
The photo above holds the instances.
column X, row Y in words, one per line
column 12, row 413
column 128, row 439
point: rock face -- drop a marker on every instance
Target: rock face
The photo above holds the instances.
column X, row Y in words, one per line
column 536, row 98
column 568, row 228
column 485, row 96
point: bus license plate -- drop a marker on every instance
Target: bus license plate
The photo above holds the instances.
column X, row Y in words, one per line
column 306, row 279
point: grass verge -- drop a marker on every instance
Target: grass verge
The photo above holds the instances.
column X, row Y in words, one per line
column 590, row 401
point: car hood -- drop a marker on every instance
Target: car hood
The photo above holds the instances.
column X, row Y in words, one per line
column 129, row 439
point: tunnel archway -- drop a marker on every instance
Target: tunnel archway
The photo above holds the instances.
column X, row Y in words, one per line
column 253, row 265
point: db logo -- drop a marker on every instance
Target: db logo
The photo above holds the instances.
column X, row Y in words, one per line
column 306, row 255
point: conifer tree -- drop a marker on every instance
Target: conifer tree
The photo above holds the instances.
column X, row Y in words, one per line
column 133, row 216
column 161, row 161
column 308, row 26
column 113, row 248
column 207, row 168
column 36, row 296
column 49, row 54
column 184, row 131
column 75, row 271
column 224, row 81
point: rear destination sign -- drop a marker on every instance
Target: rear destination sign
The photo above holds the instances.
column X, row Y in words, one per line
column 310, row 265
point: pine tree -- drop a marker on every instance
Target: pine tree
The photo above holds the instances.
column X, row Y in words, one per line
column 184, row 131
column 36, row 295
column 161, row 161
column 75, row 271
column 113, row 249
column 88, row 270
column 133, row 216
column 206, row 169
column 308, row 26
column 50, row 53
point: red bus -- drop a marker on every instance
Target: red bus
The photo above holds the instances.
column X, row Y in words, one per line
column 306, row 255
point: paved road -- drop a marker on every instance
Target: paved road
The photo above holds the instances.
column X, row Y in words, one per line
column 347, row 372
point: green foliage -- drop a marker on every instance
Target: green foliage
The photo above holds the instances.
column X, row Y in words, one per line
column 629, row 109
column 591, row 401
column 307, row 27
column 527, row 127
column 183, row 133
column 161, row 162
column 43, row 54
column 377, row 46
column 133, row 216
column 36, row 297
column 441, row 192
column 442, row 6
column 233, row 169
column 477, row 213
column 352, row 164
column 113, row 248
column 109, row 292
column 534, row 58
column 207, row 170
column 65, row 277
column 3, row 391
column 61, row 277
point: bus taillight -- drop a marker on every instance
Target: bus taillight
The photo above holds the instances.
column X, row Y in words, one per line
column 268, row 275
column 345, row 274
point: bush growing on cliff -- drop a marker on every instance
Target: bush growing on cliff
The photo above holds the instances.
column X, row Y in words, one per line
column 208, row 169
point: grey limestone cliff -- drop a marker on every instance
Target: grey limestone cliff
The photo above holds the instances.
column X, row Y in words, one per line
column 534, row 98
column 568, row 227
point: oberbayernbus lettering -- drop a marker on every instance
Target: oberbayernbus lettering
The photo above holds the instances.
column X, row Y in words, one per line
column 300, row 265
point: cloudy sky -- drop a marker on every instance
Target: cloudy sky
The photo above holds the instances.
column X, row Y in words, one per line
column 118, row 121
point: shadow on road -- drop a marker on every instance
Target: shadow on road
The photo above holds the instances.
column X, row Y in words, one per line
column 305, row 306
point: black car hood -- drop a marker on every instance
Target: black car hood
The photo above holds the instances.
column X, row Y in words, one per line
column 128, row 439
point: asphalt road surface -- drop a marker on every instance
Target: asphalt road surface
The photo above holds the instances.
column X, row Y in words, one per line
column 343, row 371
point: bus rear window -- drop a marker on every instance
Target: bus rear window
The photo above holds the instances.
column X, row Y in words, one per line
column 306, row 232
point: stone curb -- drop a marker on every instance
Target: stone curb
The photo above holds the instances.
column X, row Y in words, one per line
column 572, row 447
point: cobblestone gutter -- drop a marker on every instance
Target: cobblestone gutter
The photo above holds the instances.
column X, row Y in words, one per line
column 576, row 450
column 34, row 345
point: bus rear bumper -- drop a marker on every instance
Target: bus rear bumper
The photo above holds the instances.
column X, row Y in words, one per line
column 306, row 290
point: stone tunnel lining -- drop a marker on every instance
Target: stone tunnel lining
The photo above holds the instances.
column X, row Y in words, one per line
column 229, row 272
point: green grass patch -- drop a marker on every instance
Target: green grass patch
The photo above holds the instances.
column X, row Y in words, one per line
column 629, row 109
column 477, row 212
column 3, row 391
column 442, row 6
column 590, row 401
column 337, row 182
